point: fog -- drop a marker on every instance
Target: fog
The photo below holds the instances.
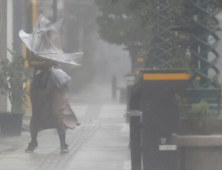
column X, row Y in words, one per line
column 130, row 104
column 79, row 33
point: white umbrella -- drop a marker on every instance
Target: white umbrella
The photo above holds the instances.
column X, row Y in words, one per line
column 45, row 42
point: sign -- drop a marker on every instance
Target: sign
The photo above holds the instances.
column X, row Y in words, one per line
column 167, row 147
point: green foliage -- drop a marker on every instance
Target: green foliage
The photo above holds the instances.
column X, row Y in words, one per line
column 130, row 23
column 13, row 75
column 121, row 23
column 194, row 110
column 181, row 59
column 181, row 102
column 219, row 3
column 201, row 108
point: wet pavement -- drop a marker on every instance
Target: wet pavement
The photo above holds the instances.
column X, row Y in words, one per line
column 100, row 143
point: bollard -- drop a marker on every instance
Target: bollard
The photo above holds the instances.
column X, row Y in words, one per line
column 114, row 87
column 135, row 139
column 128, row 104
column 128, row 107
column 130, row 81
column 123, row 95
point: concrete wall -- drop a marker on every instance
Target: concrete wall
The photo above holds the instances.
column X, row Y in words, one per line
column 17, row 23
column 3, row 44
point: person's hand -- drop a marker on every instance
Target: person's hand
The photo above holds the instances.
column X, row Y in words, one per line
column 49, row 63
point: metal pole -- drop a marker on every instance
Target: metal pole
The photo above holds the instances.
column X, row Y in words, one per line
column 114, row 87
column 54, row 10
column 135, row 139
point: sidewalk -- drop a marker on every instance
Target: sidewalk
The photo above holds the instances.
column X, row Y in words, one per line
column 100, row 143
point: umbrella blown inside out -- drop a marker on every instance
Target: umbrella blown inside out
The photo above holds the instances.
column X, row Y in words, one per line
column 45, row 42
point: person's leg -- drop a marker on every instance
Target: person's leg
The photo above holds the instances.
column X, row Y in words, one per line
column 34, row 133
column 33, row 144
column 34, row 138
column 61, row 129
column 37, row 113
column 63, row 145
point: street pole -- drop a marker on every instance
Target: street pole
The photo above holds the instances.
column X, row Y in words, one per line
column 54, row 10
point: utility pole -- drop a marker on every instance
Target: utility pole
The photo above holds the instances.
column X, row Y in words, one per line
column 3, row 45
column 54, row 10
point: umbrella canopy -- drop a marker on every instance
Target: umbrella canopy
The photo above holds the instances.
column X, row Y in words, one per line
column 45, row 41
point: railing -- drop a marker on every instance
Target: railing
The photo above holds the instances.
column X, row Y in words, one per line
column 160, row 56
column 204, row 42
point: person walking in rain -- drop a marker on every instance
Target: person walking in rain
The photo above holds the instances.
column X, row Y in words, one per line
column 49, row 91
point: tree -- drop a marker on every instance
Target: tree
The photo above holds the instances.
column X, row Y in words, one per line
column 130, row 23
column 220, row 3
column 121, row 23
